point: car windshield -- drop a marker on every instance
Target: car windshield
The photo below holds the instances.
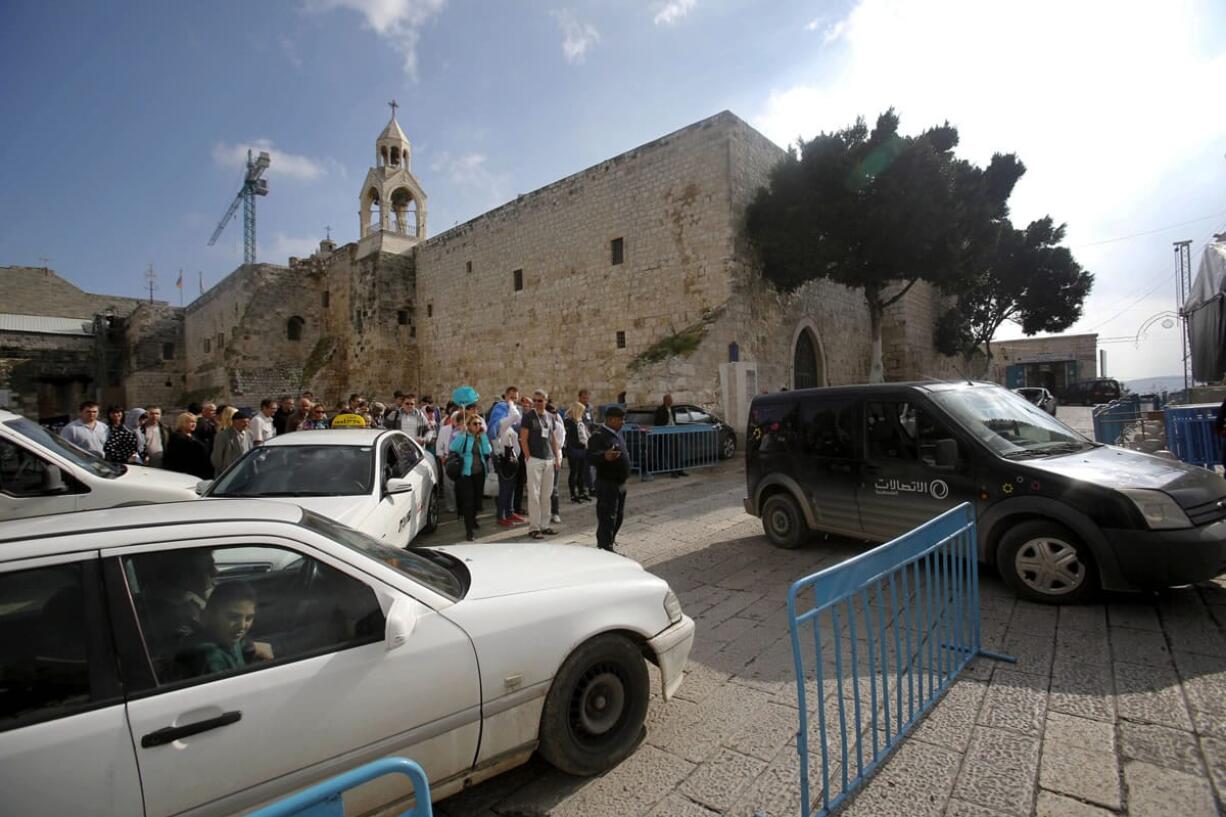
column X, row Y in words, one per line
column 300, row 470
column 1009, row 424
column 54, row 442
column 442, row 573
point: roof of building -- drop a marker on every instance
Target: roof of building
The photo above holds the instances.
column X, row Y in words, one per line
column 40, row 291
column 44, row 325
column 393, row 131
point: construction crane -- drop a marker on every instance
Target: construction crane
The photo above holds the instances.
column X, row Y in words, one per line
column 253, row 185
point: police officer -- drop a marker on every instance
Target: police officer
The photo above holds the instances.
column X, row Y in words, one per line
column 606, row 451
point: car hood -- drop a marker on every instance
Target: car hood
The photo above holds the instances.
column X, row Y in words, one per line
column 158, row 483
column 509, row 568
column 1117, row 468
column 348, row 510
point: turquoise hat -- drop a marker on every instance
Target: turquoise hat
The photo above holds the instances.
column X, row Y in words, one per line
column 465, row 396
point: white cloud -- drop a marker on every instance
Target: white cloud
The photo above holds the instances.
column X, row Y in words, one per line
column 813, row 24
column 290, row 49
column 470, row 170
column 834, row 32
column 398, row 21
column 282, row 164
column 577, row 36
column 285, row 246
column 673, row 11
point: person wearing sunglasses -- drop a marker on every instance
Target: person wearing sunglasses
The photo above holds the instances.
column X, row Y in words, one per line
column 472, row 446
column 543, row 457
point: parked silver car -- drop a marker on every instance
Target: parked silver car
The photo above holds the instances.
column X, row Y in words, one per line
column 1040, row 396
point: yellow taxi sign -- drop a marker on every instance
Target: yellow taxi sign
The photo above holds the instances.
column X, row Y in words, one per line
column 348, row 421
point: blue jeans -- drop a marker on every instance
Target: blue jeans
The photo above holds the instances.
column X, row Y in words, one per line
column 506, row 497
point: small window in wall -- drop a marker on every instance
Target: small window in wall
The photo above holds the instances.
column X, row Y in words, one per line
column 168, row 351
column 293, row 328
column 221, row 341
column 206, row 345
column 618, row 249
column 518, row 279
column 429, row 310
column 326, row 298
column 621, row 340
column 412, row 331
column 468, row 266
column 402, row 317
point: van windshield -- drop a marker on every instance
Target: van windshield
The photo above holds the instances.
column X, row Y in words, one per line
column 54, row 442
column 1009, row 424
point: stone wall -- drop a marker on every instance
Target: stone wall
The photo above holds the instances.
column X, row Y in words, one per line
column 155, row 359
column 40, row 291
column 47, row 375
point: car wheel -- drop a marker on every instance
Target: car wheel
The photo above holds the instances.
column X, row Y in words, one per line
column 1043, row 561
column 431, row 523
column 783, row 522
column 594, row 713
column 727, row 447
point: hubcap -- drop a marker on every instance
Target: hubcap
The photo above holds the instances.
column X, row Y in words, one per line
column 432, row 511
column 599, row 702
column 729, row 448
column 1050, row 566
column 781, row 522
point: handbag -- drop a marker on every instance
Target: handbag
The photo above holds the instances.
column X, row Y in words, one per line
column 506, row 463
column 453, row 466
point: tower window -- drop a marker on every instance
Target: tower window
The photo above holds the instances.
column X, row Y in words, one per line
column 293, row 328
column 168, row 351
column 468, row 266
column 402, row 317
column 518, row 279
column 621, row 340
column 429, row 310
column 206, row 346
column 326, row 298
column 617, row 248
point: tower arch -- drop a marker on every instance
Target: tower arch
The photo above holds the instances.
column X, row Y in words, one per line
column 807, row 369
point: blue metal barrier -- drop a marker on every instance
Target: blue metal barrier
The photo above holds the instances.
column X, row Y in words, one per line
column 901, row 620
column 1190, row 435
column 662, row 449
column 1113, row 419
column 324, row 799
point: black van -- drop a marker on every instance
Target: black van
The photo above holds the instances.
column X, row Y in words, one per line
column 1092, row 392
column 1057, row 513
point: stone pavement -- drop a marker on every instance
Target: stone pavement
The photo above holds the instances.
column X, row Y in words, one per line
column 1115, row 708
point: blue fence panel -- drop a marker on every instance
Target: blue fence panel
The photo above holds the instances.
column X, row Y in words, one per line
column 1112, row 419
column 877, row 639
column 325, row 799
column 663, row 449
column 1190, row 434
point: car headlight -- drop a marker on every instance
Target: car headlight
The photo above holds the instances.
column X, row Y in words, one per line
column 1161, row 512
column 672, row 606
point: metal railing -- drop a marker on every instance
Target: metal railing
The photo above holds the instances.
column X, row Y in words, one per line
column 664, row 449
column 1114, row 419
column 886, row 634
column 325, row 799
column 1190, row 434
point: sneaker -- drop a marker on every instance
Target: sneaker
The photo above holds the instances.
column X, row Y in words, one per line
column 549, row 532
column 505, row 523
column 556, row 519
column 517, row 519
column 584, row 498
column 575, row 499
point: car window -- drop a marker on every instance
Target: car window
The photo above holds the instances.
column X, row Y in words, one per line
column 829, row 428
column 391, row 464
column 902, row 431
column 54, row 442
column 207, row 611
column 300, row 470
column 772, row 427
column 1009, row 425
column 700, row 416
column 641, row 418
column 407, row 454
column 22, row 473
column 682, row 416
column 44, row 667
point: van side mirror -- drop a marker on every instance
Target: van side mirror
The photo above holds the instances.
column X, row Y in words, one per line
column 946, row 453
column 399, row 625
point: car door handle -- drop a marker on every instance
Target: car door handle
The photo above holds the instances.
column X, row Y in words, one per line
column 169, row 734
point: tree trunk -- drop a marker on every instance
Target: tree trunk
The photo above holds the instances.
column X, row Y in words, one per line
column 876, row 369
column 987, row 360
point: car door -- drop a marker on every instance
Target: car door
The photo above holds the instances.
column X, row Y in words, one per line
column 312, row 688
column 32, row 486
column 411, row 464
column 827, row 457
column 901, row 485
column 391, row 522
column 64, row 742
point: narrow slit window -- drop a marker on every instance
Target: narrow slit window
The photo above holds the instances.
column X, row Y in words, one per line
column 618, row 249
column 518, row 279
column 621, row 339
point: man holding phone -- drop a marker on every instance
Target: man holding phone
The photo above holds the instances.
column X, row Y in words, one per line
column 606, row 451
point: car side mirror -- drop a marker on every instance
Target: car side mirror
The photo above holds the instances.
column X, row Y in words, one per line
column 399, row 625
column 399, row 485
column 202, row 486
column 946, row 453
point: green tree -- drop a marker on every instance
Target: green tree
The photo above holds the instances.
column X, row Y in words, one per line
column 878, row 211
column 1027, row 278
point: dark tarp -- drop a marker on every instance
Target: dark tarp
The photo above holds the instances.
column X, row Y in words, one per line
column 1206, row 311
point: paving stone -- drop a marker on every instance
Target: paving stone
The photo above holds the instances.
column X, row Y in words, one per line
column 1082, row 647
column 1089, row 618
column 1034, row 654
column 1140, row 615
column 765, row 734
column 1204, row 684
column 999, row 771
column 1084, row 690
column 1140, row 646
column 1203, row 639
column 1034, row 619
column 950, row 722
column 1015, row 700
column 1214, row 750
column 698, row 735
column 1161, row 746
column 701, row 682
column 1157, row 792
column 1057, row 805
column 717, row 782
column 1081, row 773
column 732, row 629
column 915, row 780
column 776, row 792
column 678, row 805
column 1150, row 694
column 1082, row 733
column 961, row 808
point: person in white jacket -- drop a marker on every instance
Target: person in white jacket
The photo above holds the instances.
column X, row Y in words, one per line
column 506, row 458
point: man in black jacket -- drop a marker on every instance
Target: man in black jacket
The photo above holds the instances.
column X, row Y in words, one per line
column 606, row 451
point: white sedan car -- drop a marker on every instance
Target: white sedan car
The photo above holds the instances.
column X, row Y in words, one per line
column 204, row 658
column 377, row 481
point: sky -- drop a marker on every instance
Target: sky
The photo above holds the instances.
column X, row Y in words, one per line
column 126, row 124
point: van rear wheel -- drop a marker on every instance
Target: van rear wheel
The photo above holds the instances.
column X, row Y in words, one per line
column 784, row 524
column 1044, row 562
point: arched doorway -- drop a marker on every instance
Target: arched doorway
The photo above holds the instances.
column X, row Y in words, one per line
column 808, row 362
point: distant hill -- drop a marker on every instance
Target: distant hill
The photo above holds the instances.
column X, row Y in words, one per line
column 1147, row 385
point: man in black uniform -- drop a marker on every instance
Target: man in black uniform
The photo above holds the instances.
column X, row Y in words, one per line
column 606, row 451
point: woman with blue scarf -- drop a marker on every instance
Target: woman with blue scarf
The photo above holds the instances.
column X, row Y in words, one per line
column 472, row 446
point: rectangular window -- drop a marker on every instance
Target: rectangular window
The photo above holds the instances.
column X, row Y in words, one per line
column 429, row 310
column 830, row 428
column 221, row 341
column 518, row 279
column 326, row 298
column 168, row 351
column 207, row 344
column 621, row 340
column 402, row 316
column 468, row 266
column 412, row 331
column 618, row 250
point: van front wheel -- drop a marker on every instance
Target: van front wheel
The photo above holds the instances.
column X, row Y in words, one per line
column 1043, row 561
column 783, row 522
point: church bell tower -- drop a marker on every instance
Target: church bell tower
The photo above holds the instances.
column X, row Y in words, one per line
column 392, row 205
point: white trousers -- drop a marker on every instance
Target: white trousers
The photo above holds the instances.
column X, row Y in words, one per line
column 540, row 486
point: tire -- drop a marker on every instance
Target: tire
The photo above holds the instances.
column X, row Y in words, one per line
column 431, row 524
column 727, row 447
column 783, row 522
column 594, row 713
column 1043, row 561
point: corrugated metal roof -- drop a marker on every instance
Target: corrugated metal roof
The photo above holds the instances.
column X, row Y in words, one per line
column 44, row 325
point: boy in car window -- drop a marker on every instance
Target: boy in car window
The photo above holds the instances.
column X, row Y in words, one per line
column 221, row 641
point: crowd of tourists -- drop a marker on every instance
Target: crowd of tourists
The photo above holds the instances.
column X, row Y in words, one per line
column 523, row 441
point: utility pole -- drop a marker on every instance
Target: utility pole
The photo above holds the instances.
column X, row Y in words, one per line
column 151, row 279
column 1183, row 288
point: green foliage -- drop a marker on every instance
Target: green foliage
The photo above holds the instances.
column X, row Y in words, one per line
column 682, row 343
column 321, row 352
